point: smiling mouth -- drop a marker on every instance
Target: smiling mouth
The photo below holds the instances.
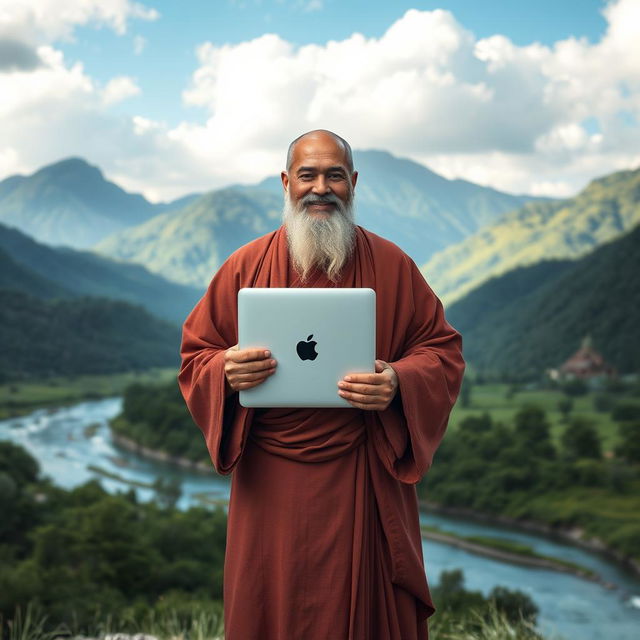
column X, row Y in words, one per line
column 321, row 205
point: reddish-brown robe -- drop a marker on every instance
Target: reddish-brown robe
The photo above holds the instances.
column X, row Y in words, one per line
column 323, row 539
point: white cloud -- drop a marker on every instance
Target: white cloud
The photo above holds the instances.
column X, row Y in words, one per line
column 488, row 110
column 50, row 20
column 118, row 89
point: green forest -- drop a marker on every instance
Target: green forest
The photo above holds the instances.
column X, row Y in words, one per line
column 88, row 562
column 514, row 467
column 44, row 338
column 518, row 325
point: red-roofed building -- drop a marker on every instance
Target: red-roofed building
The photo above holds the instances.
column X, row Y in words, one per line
column 585, row 363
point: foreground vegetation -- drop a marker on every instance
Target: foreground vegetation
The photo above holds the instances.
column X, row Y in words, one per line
column 87, row 562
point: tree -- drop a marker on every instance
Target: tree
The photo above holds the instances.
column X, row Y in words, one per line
column 533, row 432
column 168, row 491
column 629, row 446
column 465, row 392
column 575, row 387
column 580, row 440
column 565, row 405
column 514, row 604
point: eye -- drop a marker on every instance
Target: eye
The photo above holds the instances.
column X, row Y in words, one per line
column 305, row 176
column 336, row 176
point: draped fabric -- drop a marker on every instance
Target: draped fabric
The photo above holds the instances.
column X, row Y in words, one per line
column 323, row 538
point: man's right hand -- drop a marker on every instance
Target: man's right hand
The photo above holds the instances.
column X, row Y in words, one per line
column 247, row 368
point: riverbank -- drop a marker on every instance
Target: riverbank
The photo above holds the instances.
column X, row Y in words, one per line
column 508, row 552
column 19, row 398
column 568, row 535
column 162, row 456
column 572, row 535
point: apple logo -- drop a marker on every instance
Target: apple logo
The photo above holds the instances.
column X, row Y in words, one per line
column 307, row 350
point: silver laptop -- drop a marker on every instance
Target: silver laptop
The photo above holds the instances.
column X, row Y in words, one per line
column 317, row 336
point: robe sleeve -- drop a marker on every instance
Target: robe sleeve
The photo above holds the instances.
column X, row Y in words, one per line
column 430, row 370
column 208, row 331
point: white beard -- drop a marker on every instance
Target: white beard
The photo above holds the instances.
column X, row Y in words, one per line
column 323, row 242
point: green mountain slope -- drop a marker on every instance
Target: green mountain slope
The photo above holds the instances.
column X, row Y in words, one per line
column 416, row 208
column 535, row 317
column 42, row 338
column 399, row 199
column 71, row 203
column 13, row 275
column 85, row 273
column 188, row 246
column 607, row 208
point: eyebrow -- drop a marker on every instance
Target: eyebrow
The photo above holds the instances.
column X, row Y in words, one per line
column 314, row 169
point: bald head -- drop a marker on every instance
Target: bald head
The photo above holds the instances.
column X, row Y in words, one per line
column 319, row 134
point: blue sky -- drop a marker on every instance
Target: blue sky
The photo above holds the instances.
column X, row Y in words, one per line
column 169, row 98
column 164, row 66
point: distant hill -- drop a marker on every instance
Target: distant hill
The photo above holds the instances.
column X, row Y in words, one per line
column 533, row 318
column 606, row 209
column 189, row 245
column 71, row 203
column 416, row 208
column 65, row 272
column 16, row 276
column 42, row 338
column 399, row 199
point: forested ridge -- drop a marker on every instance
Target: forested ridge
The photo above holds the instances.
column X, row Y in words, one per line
column 533, row 318
column 42, row 338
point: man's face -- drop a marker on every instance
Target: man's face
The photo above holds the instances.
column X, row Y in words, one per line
column 319, row 176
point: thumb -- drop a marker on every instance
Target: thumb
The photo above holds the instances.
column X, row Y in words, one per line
column 381, row 365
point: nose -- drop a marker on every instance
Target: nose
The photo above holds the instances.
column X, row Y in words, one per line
column 321, row 186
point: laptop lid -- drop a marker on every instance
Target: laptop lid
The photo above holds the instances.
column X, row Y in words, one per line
column 316, row 335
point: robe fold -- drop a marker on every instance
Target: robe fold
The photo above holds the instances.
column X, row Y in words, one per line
column 323, row 537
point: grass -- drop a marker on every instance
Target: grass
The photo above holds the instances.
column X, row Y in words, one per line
column 19, row 398
column 475, row 626
column 208, row 625
column 494, row 399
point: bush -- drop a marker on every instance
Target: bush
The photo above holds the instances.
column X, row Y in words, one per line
column 625, row 412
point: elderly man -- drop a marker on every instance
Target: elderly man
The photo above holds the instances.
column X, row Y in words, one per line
column 323, row 539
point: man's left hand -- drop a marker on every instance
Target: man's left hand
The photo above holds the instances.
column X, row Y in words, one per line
column 370, row 391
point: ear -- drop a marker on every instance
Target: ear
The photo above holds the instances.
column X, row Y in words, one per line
column 354, row 179
column 285, row 180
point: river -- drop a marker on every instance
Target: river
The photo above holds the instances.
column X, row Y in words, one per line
column 67, row 440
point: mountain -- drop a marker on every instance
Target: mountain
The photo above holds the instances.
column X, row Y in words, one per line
column 399, row 199
column 71, row 203
column 188, row 246
column 14, row 275
column 416, row 208
column 606, row 209
column 535, row 317
column 42, row 338
column 70, row 273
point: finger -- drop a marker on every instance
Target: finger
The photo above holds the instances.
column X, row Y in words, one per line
column 251, row 377
column 239, row 368
column 366, row 407
column 365, row 389
column 365, row 378
column 381, row 365
column 359, row 397
column 247, row 355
